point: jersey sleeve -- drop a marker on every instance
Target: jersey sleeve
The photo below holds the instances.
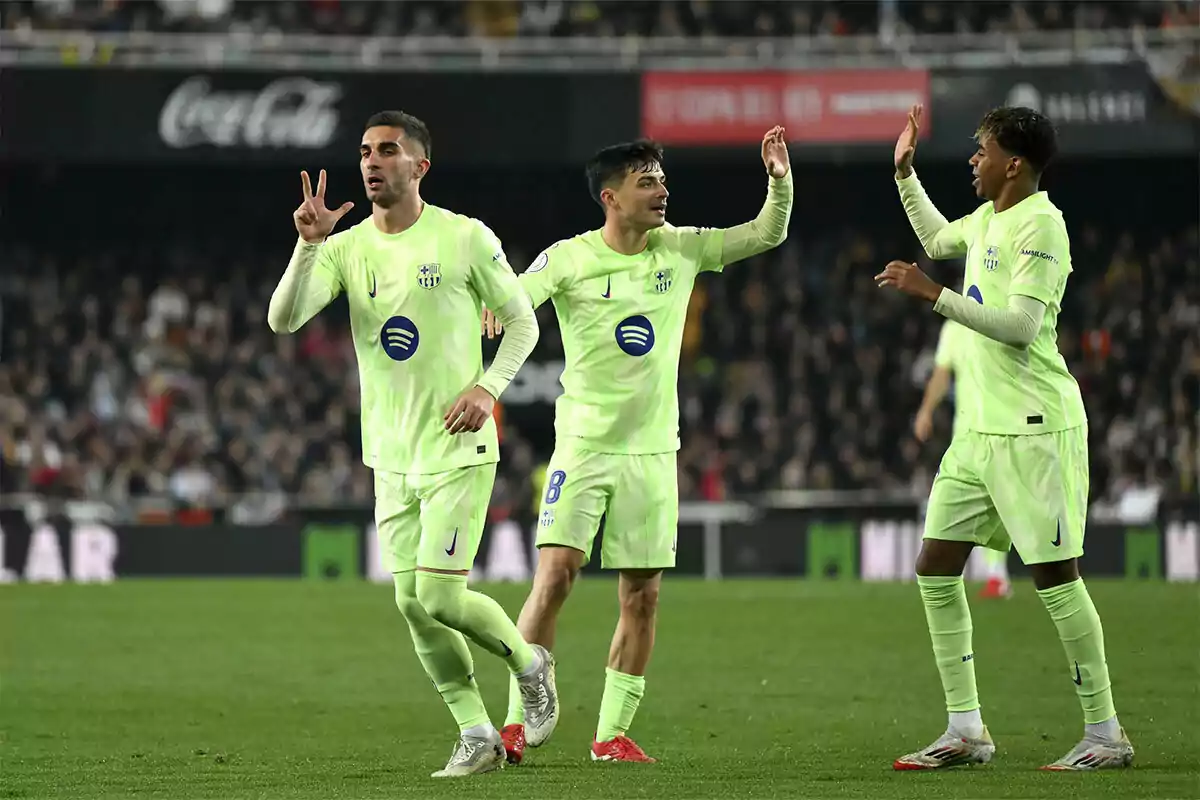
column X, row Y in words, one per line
column 1042, row 254
column 491, row 276
column 327, row 269
column 701, row 246
column 944, row 355
column 551, row 272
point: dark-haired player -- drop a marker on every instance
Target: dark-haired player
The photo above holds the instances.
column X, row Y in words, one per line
column 621, row 295
column 416, row 277
column 1017, row 468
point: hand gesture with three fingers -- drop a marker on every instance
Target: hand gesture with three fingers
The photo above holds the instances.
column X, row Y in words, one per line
column 775, row 152
column 314, row 222
column 491, row 326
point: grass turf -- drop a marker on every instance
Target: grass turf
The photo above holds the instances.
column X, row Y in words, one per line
column 264, row 689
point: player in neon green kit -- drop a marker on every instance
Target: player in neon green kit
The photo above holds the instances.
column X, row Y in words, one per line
column 952, row 347
column 416, row 276
column 621, row 296
column 1017, row 470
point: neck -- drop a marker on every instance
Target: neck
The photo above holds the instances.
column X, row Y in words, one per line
column 1012, row 193
column 624, row 239
column 400, row 216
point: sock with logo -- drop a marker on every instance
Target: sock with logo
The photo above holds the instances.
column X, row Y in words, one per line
column 476, row 616
column 949, row 619
column 996, row 562
column 444, row 655
column 622, row 694
column 1079, row 628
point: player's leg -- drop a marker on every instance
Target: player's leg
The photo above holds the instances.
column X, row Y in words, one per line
column 453, row 513
column 1040, row 486
column 959, row 517
column 577, row 486
column 443, row 652
column 639, row 540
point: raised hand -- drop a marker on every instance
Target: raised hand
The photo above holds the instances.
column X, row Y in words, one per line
column 314, row 222
column 906, row 145
column 775, row 152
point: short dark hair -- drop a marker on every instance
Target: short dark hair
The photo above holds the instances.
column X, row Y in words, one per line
column 615, row 162
column 413, row 128
column 1022, row 132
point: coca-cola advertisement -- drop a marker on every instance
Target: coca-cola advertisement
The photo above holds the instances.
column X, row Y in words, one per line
column 286, row 112
column 106, row 115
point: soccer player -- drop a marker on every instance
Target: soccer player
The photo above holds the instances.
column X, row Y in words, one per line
column 947, row 361
column 1017, row 469
column 621, row 295
column 416, row 276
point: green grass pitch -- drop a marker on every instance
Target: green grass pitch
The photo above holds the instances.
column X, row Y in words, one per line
column 287, row 689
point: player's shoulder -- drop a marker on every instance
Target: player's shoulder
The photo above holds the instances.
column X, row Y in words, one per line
column 452, row 220
column 562, row 252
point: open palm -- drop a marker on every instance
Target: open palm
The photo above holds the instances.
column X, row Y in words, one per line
column 775, row 152
column 906, row 145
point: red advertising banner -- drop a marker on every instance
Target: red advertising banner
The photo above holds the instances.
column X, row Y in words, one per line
column 732, row 108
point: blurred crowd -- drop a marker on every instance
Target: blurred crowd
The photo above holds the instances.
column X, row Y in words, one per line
column 797, row 374
column 604, row 18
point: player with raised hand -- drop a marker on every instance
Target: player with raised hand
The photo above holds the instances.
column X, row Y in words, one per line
column 621, row 295
column 416, row 277
column 947, row 362
column 1017, row 469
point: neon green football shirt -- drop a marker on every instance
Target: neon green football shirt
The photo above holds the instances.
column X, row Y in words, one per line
column 622, row 320
column 415, row 302
column 949, row 355
column 1023, row 251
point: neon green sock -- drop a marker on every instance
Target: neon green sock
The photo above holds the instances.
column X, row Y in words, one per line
column 476, row 616
column 622, row 694
column 1082, row 635
column 445, row 656
column 949, row 619
column 516, row 706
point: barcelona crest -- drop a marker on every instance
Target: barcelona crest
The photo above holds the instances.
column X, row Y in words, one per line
column 429, row 275
column 661, row 280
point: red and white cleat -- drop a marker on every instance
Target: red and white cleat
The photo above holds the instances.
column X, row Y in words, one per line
column 950, row 750
column 621, row 748
column 513, row 737
column 996, row 589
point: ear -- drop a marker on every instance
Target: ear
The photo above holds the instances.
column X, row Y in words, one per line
column 422, row 168
column 609, row 198
column 1013, row 168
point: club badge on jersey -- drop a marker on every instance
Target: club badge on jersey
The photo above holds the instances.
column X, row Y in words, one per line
column 661, row 280
column 429, row 276
column 991, row 258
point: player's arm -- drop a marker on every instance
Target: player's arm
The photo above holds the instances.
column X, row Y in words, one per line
column 313, row 276
column 940, row 238
column 1041, row 248
column 310, row 282
column 497, row 286
column 766, row 231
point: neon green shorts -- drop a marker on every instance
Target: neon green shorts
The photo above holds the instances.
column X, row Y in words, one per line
column 433, row 521
column 638, row 496
column 1027, row 491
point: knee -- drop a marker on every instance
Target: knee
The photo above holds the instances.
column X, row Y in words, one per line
column 406, row 597
column 442, row 597
column 640, row 601
column 556, row 575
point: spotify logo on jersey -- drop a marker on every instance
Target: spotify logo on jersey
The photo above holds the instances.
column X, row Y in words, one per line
column 635, row 335
column 975, row 294
column 399, row 338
